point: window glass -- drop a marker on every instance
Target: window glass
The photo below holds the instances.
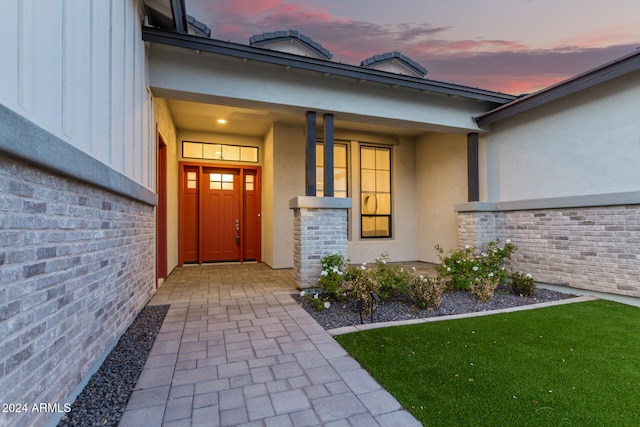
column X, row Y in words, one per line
column 375, row 191
column 192, row 149
column 230, row 152
column 249, row 154
column 200, row 150
column 340, row 170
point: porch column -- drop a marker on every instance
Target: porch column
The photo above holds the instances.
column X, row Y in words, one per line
column 310, row 162
column 319, row 229
column 328, row 156
column 473, row 180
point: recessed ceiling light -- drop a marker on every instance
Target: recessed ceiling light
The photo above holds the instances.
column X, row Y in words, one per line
column 222, row 121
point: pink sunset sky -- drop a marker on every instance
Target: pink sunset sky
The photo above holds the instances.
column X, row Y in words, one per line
column 512, row 46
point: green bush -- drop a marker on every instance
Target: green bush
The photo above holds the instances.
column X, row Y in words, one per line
column 468, row 266
column 391, row 278
column 523, row 284
column 332, row 276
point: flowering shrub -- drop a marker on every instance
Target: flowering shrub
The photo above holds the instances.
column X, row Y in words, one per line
column 467, row 266
column 523, row 284
column 483, row 288
column 426, row 292
column 391, row 278
column 332, row 276
column 361, row 281
column 320, row 303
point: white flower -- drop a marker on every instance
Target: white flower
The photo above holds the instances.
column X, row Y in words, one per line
column 529, row 276
column 401, row 270
column 340, row 273
column 490, row 274
column 384, row 261
column 421, row 277
column 302, row 293
column 413, row 269
column 315, row 296
column 475, row 268
column 467, row 247
column 327, row 304
column 448, row 268
column 324, row 273
column 363, row 267
column 508, row 240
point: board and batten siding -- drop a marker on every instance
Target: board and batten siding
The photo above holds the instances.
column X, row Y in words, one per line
column 78, row 70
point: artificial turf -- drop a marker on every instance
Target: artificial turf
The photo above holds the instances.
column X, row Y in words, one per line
column 573, row 365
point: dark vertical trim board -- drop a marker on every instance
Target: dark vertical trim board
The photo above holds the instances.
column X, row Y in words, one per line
column 473, row 180
column 310, row 164
column 328, row 156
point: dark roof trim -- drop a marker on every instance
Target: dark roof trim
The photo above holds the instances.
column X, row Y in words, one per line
column 267, row 38
column 588, row 79
column 179, row 15
column 377, row 59
column 186, row 41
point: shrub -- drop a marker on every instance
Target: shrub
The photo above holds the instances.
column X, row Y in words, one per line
column 361, row 281
column 319, row 303
column 483, row 288
column 426, row 292
column 332, row 276
column 390, row 278
column 465, row 267
column 523, row 284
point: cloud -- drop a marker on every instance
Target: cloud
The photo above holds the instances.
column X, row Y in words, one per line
column 509, row 66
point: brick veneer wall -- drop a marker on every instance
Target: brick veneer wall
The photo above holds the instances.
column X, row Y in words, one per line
column 595, row 248
column 316, row 232
column 76, row 266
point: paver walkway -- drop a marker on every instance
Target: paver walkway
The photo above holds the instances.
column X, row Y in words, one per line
column 235, row 349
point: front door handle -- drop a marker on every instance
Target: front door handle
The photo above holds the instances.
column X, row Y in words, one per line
column 237, row 231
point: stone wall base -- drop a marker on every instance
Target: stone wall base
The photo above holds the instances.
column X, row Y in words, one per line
column 319, row 229
column 594, row 248
column 77, row 264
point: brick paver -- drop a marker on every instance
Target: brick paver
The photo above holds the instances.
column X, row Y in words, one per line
column 235, row 349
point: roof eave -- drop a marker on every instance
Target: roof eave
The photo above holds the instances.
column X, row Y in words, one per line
column 588, row 79
column 245, row 52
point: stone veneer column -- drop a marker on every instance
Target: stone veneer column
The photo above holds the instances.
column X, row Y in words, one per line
column 319, row 229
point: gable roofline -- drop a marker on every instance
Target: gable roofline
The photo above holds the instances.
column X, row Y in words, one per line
column 276, row 36
column 327, row 68
column 609, row 71
column 388, row 56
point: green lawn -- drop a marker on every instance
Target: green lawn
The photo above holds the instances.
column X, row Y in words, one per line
column 575, row 364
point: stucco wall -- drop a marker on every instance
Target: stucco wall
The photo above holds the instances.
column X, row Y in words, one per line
column 441, row 176
column 402, row 246
column 586, row 143
column 288, row 175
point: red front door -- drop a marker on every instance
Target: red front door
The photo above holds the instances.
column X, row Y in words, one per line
column 220, row 223
column 219, row 214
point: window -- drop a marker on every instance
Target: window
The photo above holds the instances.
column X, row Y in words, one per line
column 339, row 170
column 203, row 150
column 375, row 191
column 220, row 181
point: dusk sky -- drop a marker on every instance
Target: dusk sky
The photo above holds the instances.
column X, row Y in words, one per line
column 512, row 46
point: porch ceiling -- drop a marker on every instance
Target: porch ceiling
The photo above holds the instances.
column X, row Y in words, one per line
column 202, row 117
